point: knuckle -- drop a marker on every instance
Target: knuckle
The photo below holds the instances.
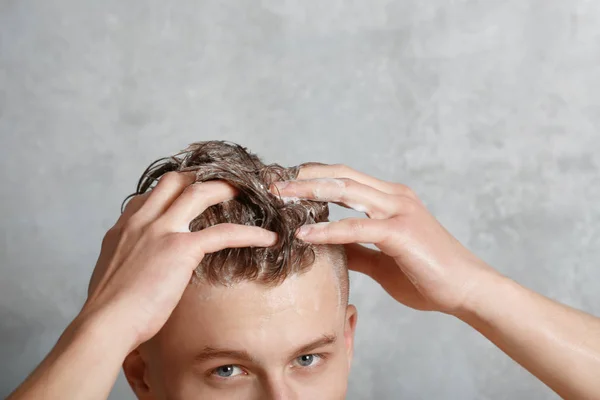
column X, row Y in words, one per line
column 409, row 192
column 309, row 164
column 408, row 205
column 130, row 203
column 195, row 190
column 404, row 190
column 341, row 169
column 135, row 202
column 111, row 235
column 344, row 188
column 308, row 169
column 170, row 177
column 356, row 225
column 131, row 224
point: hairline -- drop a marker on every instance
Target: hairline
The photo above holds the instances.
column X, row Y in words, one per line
column 323, row 252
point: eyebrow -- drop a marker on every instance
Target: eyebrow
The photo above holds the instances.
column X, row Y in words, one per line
column 322, row 341
column 212, row 353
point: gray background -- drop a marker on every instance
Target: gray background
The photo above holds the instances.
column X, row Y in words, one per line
column 488, row 109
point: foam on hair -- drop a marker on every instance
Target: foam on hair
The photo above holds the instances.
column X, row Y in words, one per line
column 256, row 206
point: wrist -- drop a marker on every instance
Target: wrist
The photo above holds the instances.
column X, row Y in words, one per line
column 103, row 328
column 492, row 290
column 84, row 363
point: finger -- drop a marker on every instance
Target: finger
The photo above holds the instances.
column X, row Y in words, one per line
column 361, row 258
column 370, row 262
column 168, row 189
column 226, row 235
column 315, row 170
column 132, row 207
column 345, row 191
column 385, row 271
column 349, row 230
column 194, row 200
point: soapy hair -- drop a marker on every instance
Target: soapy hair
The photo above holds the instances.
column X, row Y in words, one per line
column 255, row 205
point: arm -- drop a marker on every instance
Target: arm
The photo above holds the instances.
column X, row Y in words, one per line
column 145, row 264
column 558, row 344
column 424, row 267
column 83, row 364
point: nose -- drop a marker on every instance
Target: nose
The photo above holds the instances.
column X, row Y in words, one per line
column 276, row 388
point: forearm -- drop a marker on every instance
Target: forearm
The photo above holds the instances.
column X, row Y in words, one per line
column 556, row 343
column 83, row 364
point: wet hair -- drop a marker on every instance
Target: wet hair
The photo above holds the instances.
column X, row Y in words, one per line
column 255, row 205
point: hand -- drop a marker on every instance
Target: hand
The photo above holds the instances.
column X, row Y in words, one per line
column 148, row 256
column 420, row 263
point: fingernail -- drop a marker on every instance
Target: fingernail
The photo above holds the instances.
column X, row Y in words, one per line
column 273, row 239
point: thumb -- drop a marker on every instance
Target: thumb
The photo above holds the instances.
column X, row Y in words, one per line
column 367, row 261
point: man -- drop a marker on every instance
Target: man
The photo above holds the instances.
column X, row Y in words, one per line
column 253, row 318
column 266, row 313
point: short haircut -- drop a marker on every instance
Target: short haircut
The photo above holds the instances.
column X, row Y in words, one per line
column 255, row 206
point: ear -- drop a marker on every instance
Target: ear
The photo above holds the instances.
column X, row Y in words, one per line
column 349, row 329
column 136, row 372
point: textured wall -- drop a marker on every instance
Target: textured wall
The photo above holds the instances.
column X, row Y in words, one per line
column 488, row 109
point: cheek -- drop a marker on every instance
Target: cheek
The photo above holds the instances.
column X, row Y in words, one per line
column 331, row 386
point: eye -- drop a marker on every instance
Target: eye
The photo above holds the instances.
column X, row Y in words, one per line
column 227, row 371
column 308, row 360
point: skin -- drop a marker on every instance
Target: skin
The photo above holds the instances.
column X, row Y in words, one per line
column 272, row 328
column 418, row 263
column 424, row 267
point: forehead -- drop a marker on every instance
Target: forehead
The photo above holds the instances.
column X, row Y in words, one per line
column 256, row 317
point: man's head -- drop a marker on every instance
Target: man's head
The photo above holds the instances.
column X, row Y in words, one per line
column 254, row 323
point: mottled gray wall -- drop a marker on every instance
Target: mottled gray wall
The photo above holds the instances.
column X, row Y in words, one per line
column 489, row 109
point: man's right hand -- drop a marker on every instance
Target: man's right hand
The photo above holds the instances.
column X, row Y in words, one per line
column 148, row 256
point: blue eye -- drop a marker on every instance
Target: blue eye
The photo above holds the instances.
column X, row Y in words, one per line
column 307, row 360
column 227, row 371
